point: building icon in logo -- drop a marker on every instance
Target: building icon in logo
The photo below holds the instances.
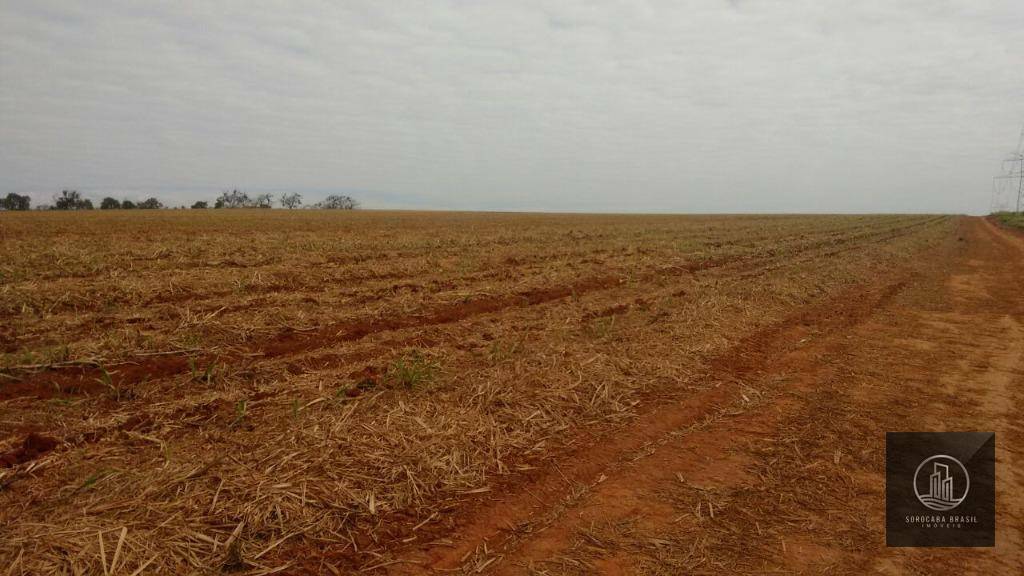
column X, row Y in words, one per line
column 943, row 492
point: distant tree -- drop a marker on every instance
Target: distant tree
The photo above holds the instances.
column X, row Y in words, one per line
column 67, row 200
column 128, row 205
column 15, row 202
column 200, row 205
column 338, row 202
column 150, row 204
column 264, row 201
column 233, row 199
column 109, row 203
column 293, row 200
column 71, row 200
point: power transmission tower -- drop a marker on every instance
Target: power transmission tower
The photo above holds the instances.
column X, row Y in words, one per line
column 1016, row 157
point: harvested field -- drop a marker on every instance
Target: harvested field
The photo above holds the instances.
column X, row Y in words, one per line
column 395, row 392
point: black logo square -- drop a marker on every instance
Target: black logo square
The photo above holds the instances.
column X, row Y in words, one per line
column 940, row 489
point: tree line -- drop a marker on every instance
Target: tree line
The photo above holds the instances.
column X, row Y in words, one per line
column 239, row 199
column 73, row 200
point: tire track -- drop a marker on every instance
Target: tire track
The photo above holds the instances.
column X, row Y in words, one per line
column 522, row 523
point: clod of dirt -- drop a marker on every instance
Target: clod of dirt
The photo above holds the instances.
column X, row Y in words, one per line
column 34, row 446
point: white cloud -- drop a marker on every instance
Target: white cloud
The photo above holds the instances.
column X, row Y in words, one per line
column 668, row 106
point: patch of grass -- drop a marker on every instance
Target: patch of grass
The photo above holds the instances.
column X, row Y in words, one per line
column 411, row 371
column 600, row 328
column 1015, row 219
column 18, row 359
column 499, row 351
column 107, row 381
column 241, row 408
column 206, row 375
column 93, row 479
column 190, row 339
column 61, row 353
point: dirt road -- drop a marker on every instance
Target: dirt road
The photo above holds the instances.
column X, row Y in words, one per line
column 779, row 466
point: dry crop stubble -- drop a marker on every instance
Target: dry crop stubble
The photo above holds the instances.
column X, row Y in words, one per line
column 540, row 331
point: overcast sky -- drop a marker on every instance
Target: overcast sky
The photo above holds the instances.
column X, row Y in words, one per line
column 675, row 106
